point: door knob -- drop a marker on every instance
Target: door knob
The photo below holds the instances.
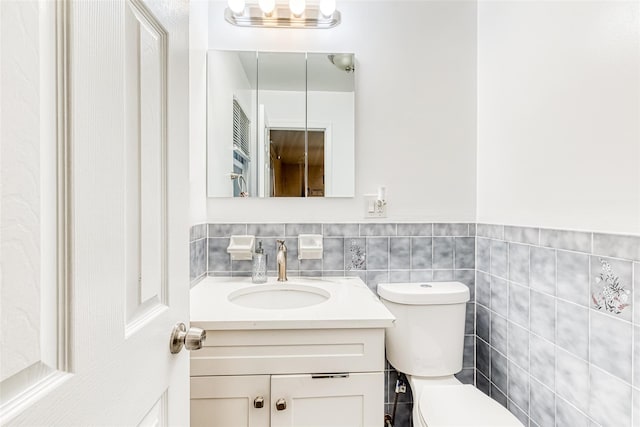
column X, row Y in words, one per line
column 258, row 402
column 191, row 339
column 281, row 404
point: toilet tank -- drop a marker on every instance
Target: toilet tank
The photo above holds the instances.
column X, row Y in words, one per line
column 428, row 335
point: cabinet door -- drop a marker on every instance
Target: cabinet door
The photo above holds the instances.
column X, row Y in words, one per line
column 347, row 400
column 228, row 401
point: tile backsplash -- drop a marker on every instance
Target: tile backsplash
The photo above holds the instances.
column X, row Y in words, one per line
column 555, row 333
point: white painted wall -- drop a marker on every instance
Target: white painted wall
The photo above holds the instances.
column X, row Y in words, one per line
column 559, row 114
column 415, row 109
column 198, row 45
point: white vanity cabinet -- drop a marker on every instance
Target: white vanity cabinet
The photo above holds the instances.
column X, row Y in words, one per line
column 320, row 366
column 330, row 400
column 306, row 377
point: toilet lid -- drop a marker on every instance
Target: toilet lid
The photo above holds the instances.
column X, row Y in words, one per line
column 462, row 406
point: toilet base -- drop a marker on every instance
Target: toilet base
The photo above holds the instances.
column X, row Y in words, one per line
column 445, row 401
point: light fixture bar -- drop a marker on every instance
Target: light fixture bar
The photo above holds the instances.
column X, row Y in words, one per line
column 282, row 17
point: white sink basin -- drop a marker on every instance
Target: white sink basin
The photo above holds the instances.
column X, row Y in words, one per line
column 279, row 296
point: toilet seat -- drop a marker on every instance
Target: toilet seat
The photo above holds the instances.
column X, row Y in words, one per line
column 462, row 406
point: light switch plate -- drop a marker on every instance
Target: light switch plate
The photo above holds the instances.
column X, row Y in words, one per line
column 371, row 207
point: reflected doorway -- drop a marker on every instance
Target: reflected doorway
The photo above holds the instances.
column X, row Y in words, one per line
column 287, row 165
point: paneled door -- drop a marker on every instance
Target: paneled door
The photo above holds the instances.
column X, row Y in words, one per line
column 93, row 215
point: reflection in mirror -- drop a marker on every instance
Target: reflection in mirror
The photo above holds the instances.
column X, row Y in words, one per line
column 280, row 124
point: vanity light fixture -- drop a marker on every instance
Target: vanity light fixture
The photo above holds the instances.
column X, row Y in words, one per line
column 295, row 14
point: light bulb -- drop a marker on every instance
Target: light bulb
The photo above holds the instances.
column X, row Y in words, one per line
column 297, row 7
column 236, row 6
column 327, row 7
column 267, row 6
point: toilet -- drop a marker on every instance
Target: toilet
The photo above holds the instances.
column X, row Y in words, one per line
column 427, row 344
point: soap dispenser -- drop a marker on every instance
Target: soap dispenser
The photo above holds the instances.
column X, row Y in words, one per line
column 259, row 271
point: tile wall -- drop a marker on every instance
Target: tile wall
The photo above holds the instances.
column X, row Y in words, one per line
column 374, row 252
column 558, row 325
column 557, row 319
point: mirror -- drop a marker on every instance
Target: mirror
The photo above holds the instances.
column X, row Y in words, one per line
column 280, row 124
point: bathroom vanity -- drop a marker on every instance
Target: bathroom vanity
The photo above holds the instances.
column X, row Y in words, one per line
column 307, row 352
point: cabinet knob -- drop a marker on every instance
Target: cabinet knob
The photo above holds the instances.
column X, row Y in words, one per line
column 281, row 404
column 258, row 402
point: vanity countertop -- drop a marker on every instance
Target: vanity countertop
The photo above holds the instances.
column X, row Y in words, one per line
column 350, row 304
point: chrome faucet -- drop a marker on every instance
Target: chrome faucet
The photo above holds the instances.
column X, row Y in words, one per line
column 281, row 261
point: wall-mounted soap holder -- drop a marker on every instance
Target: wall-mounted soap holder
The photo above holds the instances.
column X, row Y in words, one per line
column 241, row 247
column 310, row 246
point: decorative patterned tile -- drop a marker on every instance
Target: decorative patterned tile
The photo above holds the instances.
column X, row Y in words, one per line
column 399, row 253
column 519, row 305
column 421, row 253
column 609, row 400
column 610, row 345
column 526, row 235
column 573, row 277
column 543, row 270
column 355, row 254
column 573, row 328
column 519, row 263
column 565, row 239
column 443, row 252
column 499, row 259
column 450, row 229
column 617, row 246
column 572, row 379
column 465, row 252
column 611, row 286
column 415, row 229
column 543, row 315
